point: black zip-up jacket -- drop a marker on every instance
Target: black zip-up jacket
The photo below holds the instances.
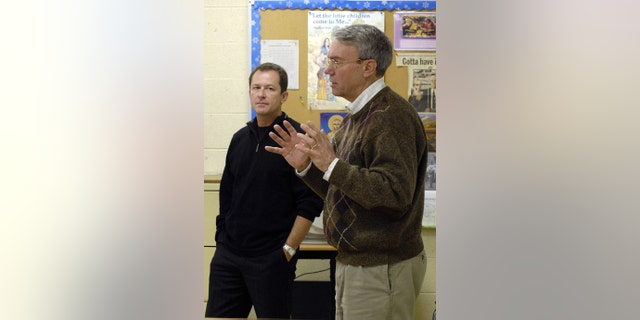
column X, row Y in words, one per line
column 260, row 194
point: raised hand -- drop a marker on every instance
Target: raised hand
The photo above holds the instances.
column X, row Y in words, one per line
column 316, row 145
column 287, row 138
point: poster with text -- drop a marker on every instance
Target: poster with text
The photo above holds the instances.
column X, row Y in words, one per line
column 321, row 25
column 421, row 92
column 422, row 89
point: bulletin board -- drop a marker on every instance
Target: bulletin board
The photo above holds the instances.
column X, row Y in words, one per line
column 284, row 20
column 277, row 20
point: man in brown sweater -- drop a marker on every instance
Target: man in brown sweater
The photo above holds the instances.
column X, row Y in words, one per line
column 371, row 177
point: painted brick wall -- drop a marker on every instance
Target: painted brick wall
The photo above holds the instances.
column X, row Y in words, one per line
column 226, row 67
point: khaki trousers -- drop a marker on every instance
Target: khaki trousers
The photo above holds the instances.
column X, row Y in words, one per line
column 379, row 292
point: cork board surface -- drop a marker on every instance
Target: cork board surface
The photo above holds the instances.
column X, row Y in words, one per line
column 292, row 25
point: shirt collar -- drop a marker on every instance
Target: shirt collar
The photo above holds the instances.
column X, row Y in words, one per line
column 365, row 96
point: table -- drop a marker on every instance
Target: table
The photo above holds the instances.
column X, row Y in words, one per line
column 316, row 299
column 320, row 251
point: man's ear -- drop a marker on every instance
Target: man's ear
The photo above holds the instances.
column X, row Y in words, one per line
column 285, row 95
column 370, row 66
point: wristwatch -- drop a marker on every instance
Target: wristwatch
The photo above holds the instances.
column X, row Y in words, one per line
column 290, row 250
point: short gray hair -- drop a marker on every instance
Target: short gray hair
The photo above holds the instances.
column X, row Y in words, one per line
column 370, row 42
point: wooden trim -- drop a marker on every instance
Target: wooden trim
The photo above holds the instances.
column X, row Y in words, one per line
column 214, row 178
column 316, row 247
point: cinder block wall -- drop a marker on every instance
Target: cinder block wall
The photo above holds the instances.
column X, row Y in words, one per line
column 226, row 71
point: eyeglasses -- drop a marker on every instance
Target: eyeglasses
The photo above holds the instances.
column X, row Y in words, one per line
column 335, row 63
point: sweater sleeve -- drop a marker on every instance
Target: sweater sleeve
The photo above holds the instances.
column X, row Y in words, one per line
column 314, row 180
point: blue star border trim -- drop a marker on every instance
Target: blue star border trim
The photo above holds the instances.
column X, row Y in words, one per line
column 370, row 5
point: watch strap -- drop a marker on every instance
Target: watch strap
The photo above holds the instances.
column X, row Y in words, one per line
column 289, row 249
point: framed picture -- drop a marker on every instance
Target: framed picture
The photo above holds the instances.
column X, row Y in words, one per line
column 422, row 89
column 414, row 30
column 330, row 122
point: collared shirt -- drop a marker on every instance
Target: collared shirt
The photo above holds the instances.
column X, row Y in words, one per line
column 353, row 108
column 365, row 96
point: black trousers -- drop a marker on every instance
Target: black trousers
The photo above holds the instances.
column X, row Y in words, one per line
column 236, row 283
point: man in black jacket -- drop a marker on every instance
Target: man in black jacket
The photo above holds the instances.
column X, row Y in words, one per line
column 265, row 213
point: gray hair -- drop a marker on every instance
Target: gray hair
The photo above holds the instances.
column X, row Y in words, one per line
column 370, row 42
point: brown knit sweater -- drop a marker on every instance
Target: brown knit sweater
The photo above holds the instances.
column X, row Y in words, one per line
column 374, row 199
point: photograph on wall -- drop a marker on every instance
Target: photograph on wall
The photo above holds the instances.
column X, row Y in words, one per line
column 429, row 122
column 414, row 30
column 429, row 215
column 422, row 89
column 321, row 25
column 330, row 122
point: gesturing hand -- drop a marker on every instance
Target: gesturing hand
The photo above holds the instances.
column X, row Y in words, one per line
column 316, row 146
column 287, row 138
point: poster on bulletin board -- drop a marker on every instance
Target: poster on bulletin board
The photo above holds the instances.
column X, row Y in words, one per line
column 414, row 30
column 330, row 122
column 321, row 25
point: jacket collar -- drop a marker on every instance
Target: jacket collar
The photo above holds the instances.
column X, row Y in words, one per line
column 253, row 124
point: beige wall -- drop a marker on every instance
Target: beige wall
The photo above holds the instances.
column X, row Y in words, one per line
column 226, row 70
column 226, row 109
